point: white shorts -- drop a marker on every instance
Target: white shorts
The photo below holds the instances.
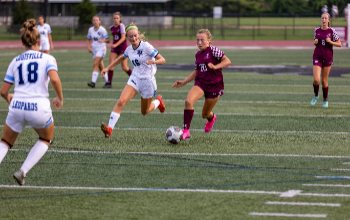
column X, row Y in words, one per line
column 146, row 87
column 99, row 52
column 44, row 46
column 36, row 112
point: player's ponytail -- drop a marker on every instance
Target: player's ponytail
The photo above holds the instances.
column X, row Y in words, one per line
column 133, row 26
column 29, row 34
column 329, row 19
column 207, row 32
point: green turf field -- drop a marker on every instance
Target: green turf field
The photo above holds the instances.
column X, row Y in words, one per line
column 270, row 152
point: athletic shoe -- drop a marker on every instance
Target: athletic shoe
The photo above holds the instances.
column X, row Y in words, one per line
column 314, row 100
column 91, row 84
column 209, row 125
column 106, row 130
column 161, row 105
column 325, row 104
column 186, row 134
column 19, row 176
column 107, row 85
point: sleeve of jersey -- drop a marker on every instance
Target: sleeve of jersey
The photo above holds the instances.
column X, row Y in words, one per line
column 49, row 31
column 105, row 34
column 195, row 62
column 122, row 28
column 315, row 33
column 218, row 54
column 335, row 36
column 9, row 77
column 151, row 51
column 126, row 54
column 89, row 35
column 52, row 65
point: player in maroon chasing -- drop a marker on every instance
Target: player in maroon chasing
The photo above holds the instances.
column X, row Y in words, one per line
column 118, row 47
column 208, row 81
column 325, row 38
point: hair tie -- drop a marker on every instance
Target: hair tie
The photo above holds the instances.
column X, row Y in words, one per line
column 131, row 27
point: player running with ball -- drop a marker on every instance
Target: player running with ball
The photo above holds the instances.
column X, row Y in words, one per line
column 208, row 81
column 144, row 58
column 325, row 38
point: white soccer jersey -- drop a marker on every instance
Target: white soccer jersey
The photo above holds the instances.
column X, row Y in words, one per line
column 100, row 34
column 139, row 56
column 28, row 72
column 44, row 31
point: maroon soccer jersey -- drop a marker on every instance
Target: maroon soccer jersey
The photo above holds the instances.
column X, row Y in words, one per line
column 117, row 34
column 324, row 51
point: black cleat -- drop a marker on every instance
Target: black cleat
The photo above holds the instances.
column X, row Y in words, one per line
column 91, row 84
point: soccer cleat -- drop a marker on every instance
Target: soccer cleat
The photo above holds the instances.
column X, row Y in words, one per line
column 314, row 100
column 161, row 105
column 106, row 130
column 107, row 85
column 185, row 134
column 91, row 84
column 325, row 104
column 209, row 125
column 19, row 176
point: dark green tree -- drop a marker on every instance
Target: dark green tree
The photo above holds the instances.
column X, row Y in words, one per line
column 289, row 6
column 85, row 11
column 21, row 12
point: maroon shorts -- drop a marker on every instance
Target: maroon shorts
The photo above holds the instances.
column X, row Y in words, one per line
column 210, row 91
column 322, row 63
column 117, row 50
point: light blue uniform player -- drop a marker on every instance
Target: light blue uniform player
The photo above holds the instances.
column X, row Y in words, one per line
column 30, row 73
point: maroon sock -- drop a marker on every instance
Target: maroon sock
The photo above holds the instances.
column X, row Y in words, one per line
column 110, row 76
column 316, row 88
column 188, row 115
column 325, row 93
column 128, row 72
column 210, row 119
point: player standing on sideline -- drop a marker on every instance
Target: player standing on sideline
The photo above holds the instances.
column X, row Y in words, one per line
column 335, row 12
column 99, row 37
column 208, row 81
column 118, row 47
column 144, row 58
column 45, row 35
column 325, row 38
column 30, row 103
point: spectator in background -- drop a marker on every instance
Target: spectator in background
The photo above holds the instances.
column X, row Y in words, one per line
column 335, row 12
column 324, row 9
column 345, row 12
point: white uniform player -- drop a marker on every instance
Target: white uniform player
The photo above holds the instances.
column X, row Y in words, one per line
column 44, row 31
column 142, row 77
column 98, row 49
column 30, row 103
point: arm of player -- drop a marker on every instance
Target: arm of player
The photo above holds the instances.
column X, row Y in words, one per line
column 115, row 62
column 89, row 45
column 5, row 92
column 120, row 41
column 224, row 63
column 334, row 43
column 57, row 102
column 50, row 40
column 159, row 60
column 106, row 40
column 191, row 77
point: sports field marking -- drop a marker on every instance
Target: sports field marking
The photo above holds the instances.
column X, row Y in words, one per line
column 302, row 203
column 289, row 215
column 334, row 177
column 291, row 193
column 338, row 169
column 327, row 185
column 346, row 163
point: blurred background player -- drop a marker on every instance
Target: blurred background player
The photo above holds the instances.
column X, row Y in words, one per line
column 99, row 37
column 345, row 12
column 30, row 103
column 324, row 9
column 335, row 12
column 118, row 47
column 144, row 58
column 325, row 38
column 208, row 81
column 45, row 35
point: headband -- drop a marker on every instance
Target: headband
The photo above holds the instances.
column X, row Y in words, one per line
column 131, row 27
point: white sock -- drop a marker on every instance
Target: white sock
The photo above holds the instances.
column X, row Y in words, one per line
column 156, row 103
column 94, row 77
column 3, row 151
column 35, row 154
column 113, row 119
column 105, row 77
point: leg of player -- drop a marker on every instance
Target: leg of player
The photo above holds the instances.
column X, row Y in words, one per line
column 148, row 105
column 193, row 95
column 316, row 84
column 127, row 94
column 7, row 141
column 101, row 66
column 97, row 62
column 46, row 51
column 208, row 114
column 112, row 57
column 325, row 74
column 36, row 153
column 125, row 67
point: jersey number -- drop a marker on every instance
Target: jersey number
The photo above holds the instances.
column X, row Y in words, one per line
column 32, row 69
column 323, row 42
column 135, row 62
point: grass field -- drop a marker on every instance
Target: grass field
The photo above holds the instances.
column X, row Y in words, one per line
column 270, row 153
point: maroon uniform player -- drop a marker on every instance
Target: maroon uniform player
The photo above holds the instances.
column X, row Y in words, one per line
column 118, row 46
column 324, row 40
column 208, row 81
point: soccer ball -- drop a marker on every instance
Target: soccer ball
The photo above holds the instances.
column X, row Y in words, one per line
column 174, row 134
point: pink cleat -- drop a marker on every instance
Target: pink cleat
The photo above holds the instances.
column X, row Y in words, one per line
column 186, row 134
column 209, row 125
column 161, row 105
column 106, row 130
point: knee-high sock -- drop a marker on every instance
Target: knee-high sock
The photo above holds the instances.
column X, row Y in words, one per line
column 316, row 88
column 128, row 72
column 94, row 77
column 325, row 93
column 110, row 76
column 35, row 154
column 105, row 77
column 188, row 115
column 113, row 119
column 3, row 151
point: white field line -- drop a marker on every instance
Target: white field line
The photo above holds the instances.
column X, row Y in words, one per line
column 335, row 177
column 302, row 203
column 289, row 215
column 339, row 169
column 327, row 185
column 346, row 163
column 291, row 193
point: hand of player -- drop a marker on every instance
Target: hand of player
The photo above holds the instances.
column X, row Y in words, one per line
column 9, row 97
column 211, row 66
column 101, row 41
column 178, row 84
column 328, row 39
column 113, row 45
column 149, row 62
column 57, row 103
column 51, row 47
column 90, row 50
column 315, row 41
column 104, row 71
